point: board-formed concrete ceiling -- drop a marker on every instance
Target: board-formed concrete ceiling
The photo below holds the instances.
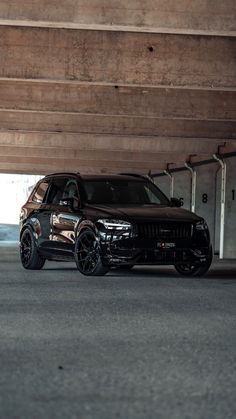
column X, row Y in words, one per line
column 112, row 86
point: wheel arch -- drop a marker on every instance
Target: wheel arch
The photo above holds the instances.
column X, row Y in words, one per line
column 85, row 225
column 29, row 226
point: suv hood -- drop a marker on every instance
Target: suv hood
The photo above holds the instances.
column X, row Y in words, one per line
column 143, row 213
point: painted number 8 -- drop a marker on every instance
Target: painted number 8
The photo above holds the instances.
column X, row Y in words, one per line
column 204, row 198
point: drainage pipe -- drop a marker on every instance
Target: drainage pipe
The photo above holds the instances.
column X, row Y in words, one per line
column 193, row 185
column 169, row 174
column 222, row 163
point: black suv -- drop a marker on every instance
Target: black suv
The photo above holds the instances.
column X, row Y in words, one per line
column 107, row 221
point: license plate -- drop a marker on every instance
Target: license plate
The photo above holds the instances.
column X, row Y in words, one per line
column 164, row 245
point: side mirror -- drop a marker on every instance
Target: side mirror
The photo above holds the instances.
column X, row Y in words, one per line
column 175, row 202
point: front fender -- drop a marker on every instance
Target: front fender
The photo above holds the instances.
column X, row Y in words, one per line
column 85, row 224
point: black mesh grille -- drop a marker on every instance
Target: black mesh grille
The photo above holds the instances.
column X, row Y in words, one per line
column 165, row 231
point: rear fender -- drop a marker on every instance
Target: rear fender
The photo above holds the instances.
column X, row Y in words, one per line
column 30, row 226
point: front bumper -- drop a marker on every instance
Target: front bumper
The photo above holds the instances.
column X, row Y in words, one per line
column 122, row 249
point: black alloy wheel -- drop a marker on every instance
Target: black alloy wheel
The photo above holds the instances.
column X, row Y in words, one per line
column 30, row 258
column 191, row 269
column 87, row 255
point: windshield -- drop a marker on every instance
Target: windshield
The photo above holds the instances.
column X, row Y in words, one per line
column 123, row 192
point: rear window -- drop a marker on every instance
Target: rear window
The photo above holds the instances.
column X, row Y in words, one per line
column 40, row 192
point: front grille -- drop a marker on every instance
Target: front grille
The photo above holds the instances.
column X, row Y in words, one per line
column 165, row 231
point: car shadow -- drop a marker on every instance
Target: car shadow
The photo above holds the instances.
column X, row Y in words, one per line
column 168, row 272
column 218, row 271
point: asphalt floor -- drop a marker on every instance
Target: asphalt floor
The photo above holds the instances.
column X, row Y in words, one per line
column 140, row 344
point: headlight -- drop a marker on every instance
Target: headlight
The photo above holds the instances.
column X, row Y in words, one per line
column 201, row 225
column 111, row 224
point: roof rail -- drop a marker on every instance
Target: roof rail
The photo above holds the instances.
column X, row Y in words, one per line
column 63, row 173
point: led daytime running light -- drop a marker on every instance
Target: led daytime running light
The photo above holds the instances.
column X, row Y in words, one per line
column 111, row 224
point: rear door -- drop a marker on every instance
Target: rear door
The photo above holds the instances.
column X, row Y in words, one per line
column 65, row 216
column 38, row 214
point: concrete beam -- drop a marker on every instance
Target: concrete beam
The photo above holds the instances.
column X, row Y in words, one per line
column 92, row 154
column 50, row 164
column 113, row 143
column 116, row 125
column 158, row 102
column 43, row 169
column 184, row 16
column 117, row 57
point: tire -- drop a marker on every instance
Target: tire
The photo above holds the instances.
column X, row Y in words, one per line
column 87, row 255
column 29, row 255
column 195, row 270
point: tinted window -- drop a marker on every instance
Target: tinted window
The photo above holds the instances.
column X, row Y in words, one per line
column 40, row 192
column 123, row 192
column 71, row 190
column 55, row 193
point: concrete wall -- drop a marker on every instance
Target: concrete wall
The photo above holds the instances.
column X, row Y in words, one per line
column 208, row 200
column 163, row 182
column 230, row 210
column 182, row 188
column 206, row 195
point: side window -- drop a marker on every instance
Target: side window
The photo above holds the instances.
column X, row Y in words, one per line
column 71, row 190
column 153, row 199
column 56, row 190
column 40, row 192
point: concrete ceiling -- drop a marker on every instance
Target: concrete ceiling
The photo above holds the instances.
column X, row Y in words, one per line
column 108, row 85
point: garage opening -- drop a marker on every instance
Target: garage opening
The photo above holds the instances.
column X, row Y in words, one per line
column 14, row 190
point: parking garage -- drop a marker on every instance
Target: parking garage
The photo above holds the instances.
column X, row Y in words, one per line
column 109, row 87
